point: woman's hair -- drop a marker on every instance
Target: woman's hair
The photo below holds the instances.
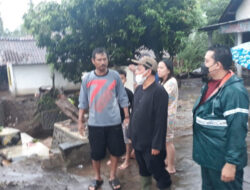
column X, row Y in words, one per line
column 169, row 64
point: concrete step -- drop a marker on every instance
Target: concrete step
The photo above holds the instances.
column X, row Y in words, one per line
column 75, row 148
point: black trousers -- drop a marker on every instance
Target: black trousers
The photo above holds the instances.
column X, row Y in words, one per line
column 153, row 165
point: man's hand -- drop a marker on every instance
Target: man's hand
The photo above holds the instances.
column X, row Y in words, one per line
column 155, row 152
column 228, row 172
column 126, row 121
column 81, row 128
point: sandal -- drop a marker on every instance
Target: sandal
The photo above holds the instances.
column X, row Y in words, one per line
column 114, row 183
column 95, row 184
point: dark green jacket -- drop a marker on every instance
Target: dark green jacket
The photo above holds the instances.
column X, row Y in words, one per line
column 220, row 126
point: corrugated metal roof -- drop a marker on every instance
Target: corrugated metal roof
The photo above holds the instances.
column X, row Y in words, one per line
column 20, row 51
column 216, row 26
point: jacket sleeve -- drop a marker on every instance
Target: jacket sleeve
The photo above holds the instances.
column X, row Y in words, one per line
column 236, row 114
column 160, row 121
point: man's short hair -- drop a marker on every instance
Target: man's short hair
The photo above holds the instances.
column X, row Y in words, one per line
column 223, row 55
column 122, row 72
column 99, row 50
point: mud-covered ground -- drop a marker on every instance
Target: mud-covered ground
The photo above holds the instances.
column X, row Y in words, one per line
column 29, row 175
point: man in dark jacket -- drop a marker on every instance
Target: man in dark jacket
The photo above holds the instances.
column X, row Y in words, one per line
column 147, row 128
column 220, row 123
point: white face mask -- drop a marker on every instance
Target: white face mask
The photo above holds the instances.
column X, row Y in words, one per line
column 139, row 79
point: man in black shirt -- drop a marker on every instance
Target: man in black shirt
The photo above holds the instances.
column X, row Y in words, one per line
column 147, row 128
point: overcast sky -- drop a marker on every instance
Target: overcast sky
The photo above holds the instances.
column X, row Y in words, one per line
column 12, row 11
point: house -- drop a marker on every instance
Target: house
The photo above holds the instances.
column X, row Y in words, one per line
column 234, row 20
column 26, row 68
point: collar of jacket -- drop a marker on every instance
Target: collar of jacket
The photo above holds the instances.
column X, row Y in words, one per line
column 224, row 80
column 204, row 89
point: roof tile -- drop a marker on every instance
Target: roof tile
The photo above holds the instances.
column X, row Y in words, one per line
column 21, row 51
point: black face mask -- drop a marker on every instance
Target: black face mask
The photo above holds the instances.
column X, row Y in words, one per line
column 204, row 69
column 204, row 72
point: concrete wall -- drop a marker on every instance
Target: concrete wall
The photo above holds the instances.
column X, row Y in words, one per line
column 243, row 10
column 11, row 78
column 26, row 79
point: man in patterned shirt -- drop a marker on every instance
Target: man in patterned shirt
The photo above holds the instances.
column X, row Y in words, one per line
column 101, row 94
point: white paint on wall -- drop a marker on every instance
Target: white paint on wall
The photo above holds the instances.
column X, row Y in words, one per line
column 130, row 79
column 243, row 11
column 11, row 78
column 27, row 79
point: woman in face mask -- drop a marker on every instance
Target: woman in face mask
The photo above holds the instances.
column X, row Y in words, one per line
column 165, row 73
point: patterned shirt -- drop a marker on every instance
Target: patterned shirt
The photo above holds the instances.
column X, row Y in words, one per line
column 171, row 87
column 102, row 95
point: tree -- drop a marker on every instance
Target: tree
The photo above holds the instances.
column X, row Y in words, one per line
column 193, row 52
column 213, row 9
column 71, row 30
column 194, row 46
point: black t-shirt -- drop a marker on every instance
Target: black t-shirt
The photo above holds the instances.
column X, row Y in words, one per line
column 130, row 99
column 148, row 121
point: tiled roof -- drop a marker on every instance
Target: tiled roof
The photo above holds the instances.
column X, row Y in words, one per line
column 20, row 51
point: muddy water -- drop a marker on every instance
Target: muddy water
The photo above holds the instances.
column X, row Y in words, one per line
column 28, row 175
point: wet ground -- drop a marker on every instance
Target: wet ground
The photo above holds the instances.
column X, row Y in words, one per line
column 187, row 176
column 28, row 174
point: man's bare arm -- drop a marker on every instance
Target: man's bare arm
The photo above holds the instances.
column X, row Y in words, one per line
column 81, row 122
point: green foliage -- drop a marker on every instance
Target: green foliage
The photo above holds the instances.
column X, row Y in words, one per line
column 192, row 55
column 213, row 9
column 47, row 101
column 194, row 47
column 225, row 39
column 71, row 31
column 73, row 99
column 35, row 140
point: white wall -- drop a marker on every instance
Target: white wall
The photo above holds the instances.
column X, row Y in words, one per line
column 11, row 78
column 28, row 78
column 130, row 79
column 243, row 11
